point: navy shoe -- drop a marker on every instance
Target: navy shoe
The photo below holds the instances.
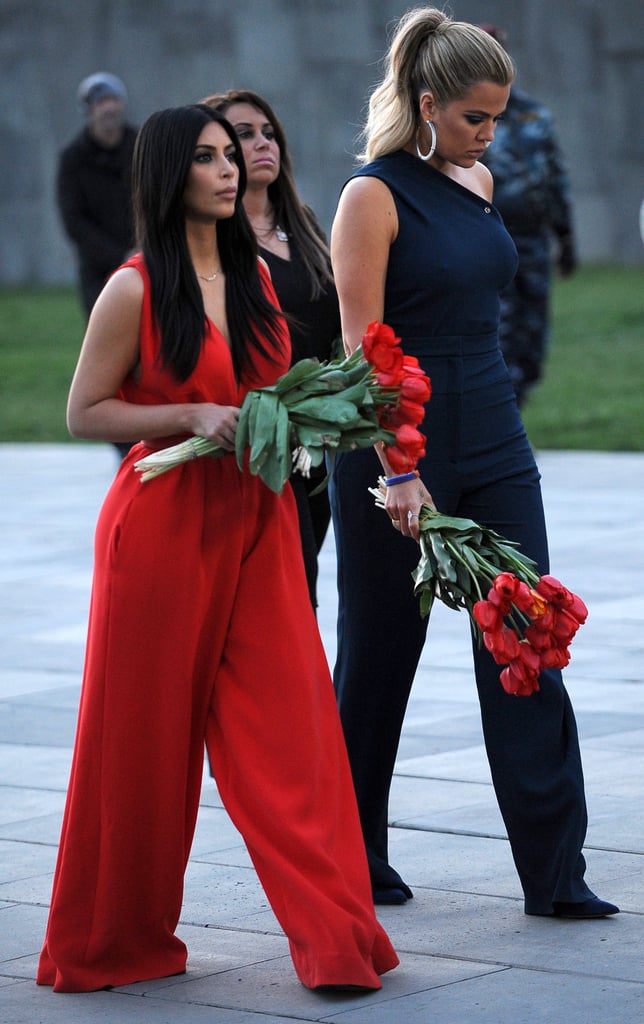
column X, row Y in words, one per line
column 589, row 909
column 390, row 896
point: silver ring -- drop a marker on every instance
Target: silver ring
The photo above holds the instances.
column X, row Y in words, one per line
column 410, row 515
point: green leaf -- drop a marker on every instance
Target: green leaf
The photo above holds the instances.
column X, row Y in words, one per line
column 329, row 409
column 242, row 436
column 426, row 602
column 264, row 427
column 310, row 437
column 249, row 411
column 446, row 568
column 304, row 369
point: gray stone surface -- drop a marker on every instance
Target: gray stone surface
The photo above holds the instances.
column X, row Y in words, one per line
column 467, row 950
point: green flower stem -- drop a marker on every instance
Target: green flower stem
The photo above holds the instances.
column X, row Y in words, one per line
column 167, row 458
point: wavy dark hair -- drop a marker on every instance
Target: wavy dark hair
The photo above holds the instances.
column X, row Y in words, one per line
column 163, row 155
column 290, row 212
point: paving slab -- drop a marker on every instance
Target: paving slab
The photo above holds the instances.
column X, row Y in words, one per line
column 467, row 950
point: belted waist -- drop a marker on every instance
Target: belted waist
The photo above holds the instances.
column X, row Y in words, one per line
column 460, row 363
column 445, row 345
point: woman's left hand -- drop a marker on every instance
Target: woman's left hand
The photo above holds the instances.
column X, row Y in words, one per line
column 403, row 503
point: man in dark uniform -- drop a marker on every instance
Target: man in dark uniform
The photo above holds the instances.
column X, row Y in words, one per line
column 531, row 191
column 93, row 185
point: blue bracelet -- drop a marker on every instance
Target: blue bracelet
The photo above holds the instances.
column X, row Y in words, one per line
column 402, row 479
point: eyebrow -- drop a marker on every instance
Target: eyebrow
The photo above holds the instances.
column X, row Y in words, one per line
column 248, row 124
column 213, row 149
column 483, row 113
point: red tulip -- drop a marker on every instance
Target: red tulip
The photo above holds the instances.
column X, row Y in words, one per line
column 381, row 347
column 506, row 585
column 545, row 621
column 565, row 624
column 518, row 681
column 390, row 378
column 555, row 657
column 553, row 590
column 403, row 460
column 407, row 412
column 503, row 645
column 487, row 616
column 416, row 388
column 504, row 604
column 529, row 656
column 577, row 608
column 538, row 638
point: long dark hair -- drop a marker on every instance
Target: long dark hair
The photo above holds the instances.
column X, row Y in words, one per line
column 163, row 155
column 292, row 215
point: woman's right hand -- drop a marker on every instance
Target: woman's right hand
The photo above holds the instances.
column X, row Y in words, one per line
column 217, row 423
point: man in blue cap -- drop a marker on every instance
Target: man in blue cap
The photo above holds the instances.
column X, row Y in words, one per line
column 93, row 185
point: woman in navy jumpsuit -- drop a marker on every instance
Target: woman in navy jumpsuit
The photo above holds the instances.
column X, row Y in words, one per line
column 418, row 244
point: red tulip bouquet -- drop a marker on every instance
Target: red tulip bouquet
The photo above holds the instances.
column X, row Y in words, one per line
column 374, row 394
column 526, row 621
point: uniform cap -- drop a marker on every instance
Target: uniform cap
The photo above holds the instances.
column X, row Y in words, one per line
column 97, row 86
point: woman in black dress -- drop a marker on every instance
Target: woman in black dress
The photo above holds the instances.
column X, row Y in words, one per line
column 293, row 245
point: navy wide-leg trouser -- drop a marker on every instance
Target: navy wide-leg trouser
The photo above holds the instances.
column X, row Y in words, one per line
column 479, row 465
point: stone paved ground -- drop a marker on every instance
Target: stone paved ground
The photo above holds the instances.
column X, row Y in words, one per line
column 467, row 950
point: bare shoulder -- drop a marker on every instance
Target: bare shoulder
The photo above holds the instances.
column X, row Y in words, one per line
column 483, row 181
column 476, row 178
column 363, row 190
column 367, row 205
column 120, row 301
column 126, row 285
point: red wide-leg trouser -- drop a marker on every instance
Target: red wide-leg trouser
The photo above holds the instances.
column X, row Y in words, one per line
column 201, row 630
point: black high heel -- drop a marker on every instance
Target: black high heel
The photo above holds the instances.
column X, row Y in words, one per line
column 587, row 910
column 391, row 896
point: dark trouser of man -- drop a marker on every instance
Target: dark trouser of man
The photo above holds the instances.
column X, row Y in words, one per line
column 525, row 314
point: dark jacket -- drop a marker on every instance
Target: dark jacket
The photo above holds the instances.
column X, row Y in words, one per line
column 94, row 198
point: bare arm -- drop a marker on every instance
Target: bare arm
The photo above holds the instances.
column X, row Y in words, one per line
column 365, row 226
column 110, row 353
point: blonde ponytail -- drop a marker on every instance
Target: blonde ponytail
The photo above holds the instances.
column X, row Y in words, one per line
column 429, row 53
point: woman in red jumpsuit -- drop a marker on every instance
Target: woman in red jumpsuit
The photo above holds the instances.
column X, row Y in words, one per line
column 200, row 626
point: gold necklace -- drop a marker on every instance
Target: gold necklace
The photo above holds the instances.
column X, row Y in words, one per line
column 211, row 278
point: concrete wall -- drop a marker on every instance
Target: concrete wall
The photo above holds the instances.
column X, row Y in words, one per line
column 316, row 61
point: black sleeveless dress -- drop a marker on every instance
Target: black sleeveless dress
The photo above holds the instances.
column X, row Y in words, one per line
column 446, row 267
column 314, row 329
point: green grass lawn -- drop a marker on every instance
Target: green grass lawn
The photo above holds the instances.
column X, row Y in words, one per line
column 590, row 397
column 41, row 331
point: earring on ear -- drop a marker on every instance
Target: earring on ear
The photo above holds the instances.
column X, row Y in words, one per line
column 432, row 148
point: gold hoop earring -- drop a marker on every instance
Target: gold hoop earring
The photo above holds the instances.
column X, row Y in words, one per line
column 432, row 148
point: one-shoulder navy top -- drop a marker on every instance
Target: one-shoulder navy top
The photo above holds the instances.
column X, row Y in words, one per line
column 450, row 259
